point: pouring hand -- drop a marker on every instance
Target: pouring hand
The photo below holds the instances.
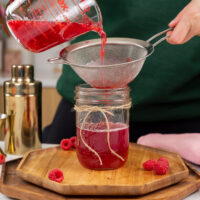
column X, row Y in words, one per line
column 186, row 24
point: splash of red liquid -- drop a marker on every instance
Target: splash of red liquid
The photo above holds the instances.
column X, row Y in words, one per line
column 95, row 135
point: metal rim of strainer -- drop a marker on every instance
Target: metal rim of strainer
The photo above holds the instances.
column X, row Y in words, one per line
column 121, row 41
column 94, row 42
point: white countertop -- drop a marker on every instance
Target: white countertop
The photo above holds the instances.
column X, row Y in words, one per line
column 194, row 196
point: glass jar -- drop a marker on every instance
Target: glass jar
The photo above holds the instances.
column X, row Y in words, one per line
column 102, row 126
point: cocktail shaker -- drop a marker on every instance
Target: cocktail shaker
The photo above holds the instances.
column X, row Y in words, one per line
column 22, row 104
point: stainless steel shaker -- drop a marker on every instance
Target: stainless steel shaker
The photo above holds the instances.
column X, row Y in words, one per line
column 22, row 104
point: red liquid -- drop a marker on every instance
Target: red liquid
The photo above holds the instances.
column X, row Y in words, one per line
column 38, row 36
column 109, row 84
column 96, row 137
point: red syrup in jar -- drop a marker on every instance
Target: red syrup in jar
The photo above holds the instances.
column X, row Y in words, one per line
column 95, row 135
column 38, row 36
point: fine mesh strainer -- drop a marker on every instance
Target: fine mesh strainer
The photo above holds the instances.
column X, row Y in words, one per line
column 123, row 60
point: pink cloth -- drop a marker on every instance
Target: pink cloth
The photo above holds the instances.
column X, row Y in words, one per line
column 186, row 145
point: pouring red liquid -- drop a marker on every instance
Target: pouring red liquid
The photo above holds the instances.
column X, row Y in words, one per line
column 38, row 36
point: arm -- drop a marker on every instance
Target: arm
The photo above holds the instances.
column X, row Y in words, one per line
column 186, row 24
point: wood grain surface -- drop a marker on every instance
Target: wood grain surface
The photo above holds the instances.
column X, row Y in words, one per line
column 15, row 187
column 131, row 179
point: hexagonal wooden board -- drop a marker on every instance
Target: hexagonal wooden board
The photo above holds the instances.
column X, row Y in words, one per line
column 131, row 179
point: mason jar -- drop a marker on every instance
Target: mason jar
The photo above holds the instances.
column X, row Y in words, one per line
column 102, row 126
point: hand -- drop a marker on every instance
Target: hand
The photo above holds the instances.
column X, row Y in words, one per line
column 186, row 24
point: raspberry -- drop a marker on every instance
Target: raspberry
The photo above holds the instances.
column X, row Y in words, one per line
column 163, row 159
column 56, row 175
column 161, row 168
column 66, row 144
column 73, row 141
column 128, row 59
column 149, row 165
column 2, row 158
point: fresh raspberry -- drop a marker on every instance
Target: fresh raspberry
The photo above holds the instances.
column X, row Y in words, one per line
column 128, row 59
column 149, row 165
column 161, row 168
column 163, row 159
column 56, row 175
column 66, row 144
column 73, row 141
column 2, row 158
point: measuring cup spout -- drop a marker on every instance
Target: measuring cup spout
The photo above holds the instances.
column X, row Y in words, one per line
column 157, row 35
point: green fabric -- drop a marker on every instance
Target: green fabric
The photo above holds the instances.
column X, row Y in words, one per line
column 168, row 87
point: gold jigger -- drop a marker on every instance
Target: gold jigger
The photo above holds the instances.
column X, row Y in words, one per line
column 9, row 135
column 3, row 118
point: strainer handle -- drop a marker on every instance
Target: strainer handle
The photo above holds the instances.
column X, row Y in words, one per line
column 57, row 61
column 159, row 34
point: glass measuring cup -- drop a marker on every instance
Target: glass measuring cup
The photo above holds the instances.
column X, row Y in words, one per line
column 42, row 24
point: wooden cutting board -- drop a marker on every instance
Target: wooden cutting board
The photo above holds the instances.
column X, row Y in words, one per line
column 13, row 186
column 131, row 179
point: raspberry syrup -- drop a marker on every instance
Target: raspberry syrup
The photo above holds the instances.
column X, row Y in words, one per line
column 38, row 36
column 95, row 135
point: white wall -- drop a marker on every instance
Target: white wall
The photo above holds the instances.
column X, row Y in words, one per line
column 44, row 71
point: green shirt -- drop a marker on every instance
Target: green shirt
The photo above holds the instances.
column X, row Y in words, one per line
column 168, row 86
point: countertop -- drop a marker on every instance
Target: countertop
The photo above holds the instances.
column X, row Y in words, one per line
column 195, row 196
